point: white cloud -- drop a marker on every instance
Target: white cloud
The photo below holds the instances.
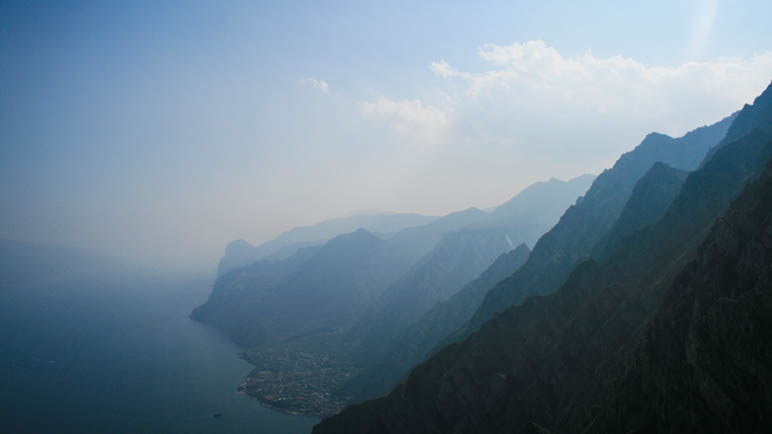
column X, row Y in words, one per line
column 443, row 69
column 425, row 123
column 534, row 80
column 540, row 68
column 317, row 83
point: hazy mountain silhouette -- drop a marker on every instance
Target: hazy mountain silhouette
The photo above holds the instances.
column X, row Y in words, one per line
column 650, row 199
column 576, row 360
column 244, row 298
column 750, row 117
column 458, row 258
column 417, row 341
column 316, row 289
column 357, row 293
column 239, row 253
column 533, row 211
column 570, row 241
column 239, row 294
column 385, row 354
column 417, row 241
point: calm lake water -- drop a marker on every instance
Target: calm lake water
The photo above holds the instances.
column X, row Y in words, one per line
column 118, row 354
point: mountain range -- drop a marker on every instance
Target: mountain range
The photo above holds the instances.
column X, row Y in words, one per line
column 645, row 309
column 352, row 270
column 350, row 297
column 597, row 222
column 239, row 253
column 571, row 241
column 447, row 320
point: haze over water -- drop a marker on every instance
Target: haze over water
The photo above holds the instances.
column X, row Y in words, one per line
column 117, row 353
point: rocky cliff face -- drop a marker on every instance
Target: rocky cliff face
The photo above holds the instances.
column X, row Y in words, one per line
column 704, row 363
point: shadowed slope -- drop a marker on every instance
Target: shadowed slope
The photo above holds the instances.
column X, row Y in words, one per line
column 584, row 224
column 538, row 363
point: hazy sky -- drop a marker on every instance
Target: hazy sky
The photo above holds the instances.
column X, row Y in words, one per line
column 162, row 130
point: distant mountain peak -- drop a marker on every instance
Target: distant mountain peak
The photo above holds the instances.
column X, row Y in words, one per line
column 582, row 226
column 581, row 177
column 236, row 246
column 358, row 237
column 471, row 210
column 240, row 253
column 654, row 135
column 522, row 247
column 547, row 194
column 750, row 117
column 765, row 97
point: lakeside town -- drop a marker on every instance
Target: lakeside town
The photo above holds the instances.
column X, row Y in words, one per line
column 296, row 382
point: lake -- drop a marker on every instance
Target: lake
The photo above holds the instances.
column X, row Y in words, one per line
column 99, row 352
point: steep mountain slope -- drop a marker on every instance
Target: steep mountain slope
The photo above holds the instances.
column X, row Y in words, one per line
column 240, row 295
column 525, row 217
column 461, row 256
column 536, row 209
column 256, row 305
column 539, row 364
column 542, row 195
column 327, row 286
column 750, row 117
column 421, row 337
column 584, row 224
column 458, row 258
column 704, row 362
column 415, row 242
column 650, row 199
column 240, row 253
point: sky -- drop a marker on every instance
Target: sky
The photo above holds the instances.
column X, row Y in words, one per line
column 159, row 131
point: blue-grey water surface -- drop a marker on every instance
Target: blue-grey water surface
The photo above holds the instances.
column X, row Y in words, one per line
column 118, row 353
